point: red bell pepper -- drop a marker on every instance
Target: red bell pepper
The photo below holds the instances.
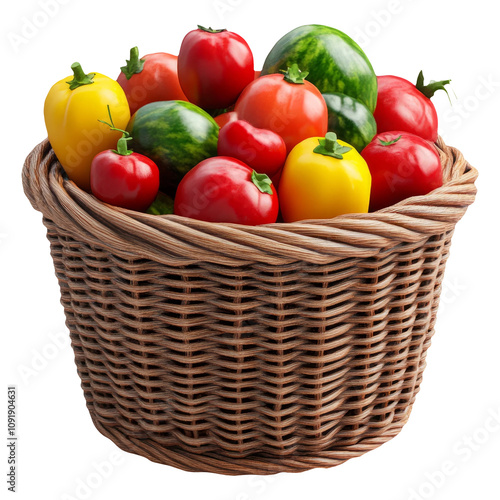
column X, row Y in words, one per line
column 263, row 150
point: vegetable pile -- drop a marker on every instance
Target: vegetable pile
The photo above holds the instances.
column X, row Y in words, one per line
column 314, row 134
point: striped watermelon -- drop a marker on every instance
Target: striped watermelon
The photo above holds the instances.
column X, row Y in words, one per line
column 334, row 61
column 176, row 135
column 350, row 119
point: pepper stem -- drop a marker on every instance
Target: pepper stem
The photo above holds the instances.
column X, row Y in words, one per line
column 80, row 78
column 330, row 142
column 121, row 145
column 262, row 182
column 329, row 146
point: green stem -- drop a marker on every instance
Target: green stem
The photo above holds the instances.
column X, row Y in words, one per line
column 121, row 145
column 430, row 89
column 80, row 78
column 294, row 75
column 134, row 54
column 210, row 30
column 262, row 182
column 134, row 64
column 329, row 146
column 389, row 143
column 330, row 143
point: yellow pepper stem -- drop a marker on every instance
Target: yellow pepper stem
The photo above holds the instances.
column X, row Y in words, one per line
column 330, row 147
column 80, row 78
column 330, row 142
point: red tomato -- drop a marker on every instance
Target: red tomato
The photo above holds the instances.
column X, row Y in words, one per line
column 222, row 119
column 295, row 111
column 401, row 165
column 128, row 181
column 214, row 67
column 262, row 150
column 406, row 107
column 223, row 189
column 150, row 79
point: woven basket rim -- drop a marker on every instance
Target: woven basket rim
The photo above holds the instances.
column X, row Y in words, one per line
column 189, row 240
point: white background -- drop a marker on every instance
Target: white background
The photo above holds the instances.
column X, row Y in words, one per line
column 451, row 427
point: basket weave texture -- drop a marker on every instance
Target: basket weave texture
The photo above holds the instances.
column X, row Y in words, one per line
column 236, row 349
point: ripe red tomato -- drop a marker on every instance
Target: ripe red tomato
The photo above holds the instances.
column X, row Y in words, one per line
column 262, row 150
column 286, row 104
column 214, row 67
column 223, row 189
column 128, row 181
column 401, row 165
column 406, row 107
column 150, row 79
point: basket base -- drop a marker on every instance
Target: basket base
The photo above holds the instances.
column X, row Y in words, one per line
column 256, row 464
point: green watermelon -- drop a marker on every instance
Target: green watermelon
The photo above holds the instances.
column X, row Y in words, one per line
column 162, row 205
column 176, row 135
column 350, row 119
column 335, row 62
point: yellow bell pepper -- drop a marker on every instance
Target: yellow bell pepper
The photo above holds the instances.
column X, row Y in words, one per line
column 323, row 178
column 72, row 109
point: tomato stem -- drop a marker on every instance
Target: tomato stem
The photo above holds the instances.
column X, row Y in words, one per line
column 430, row 89
column 210, row 30
column 389, row 143
column 294, row 75
column 121, row 145
column 134, row 64
column 79, row 77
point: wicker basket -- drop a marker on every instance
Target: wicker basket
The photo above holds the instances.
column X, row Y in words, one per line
column 236, row 349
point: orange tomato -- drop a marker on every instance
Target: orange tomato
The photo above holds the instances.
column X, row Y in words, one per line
column 286, row 104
